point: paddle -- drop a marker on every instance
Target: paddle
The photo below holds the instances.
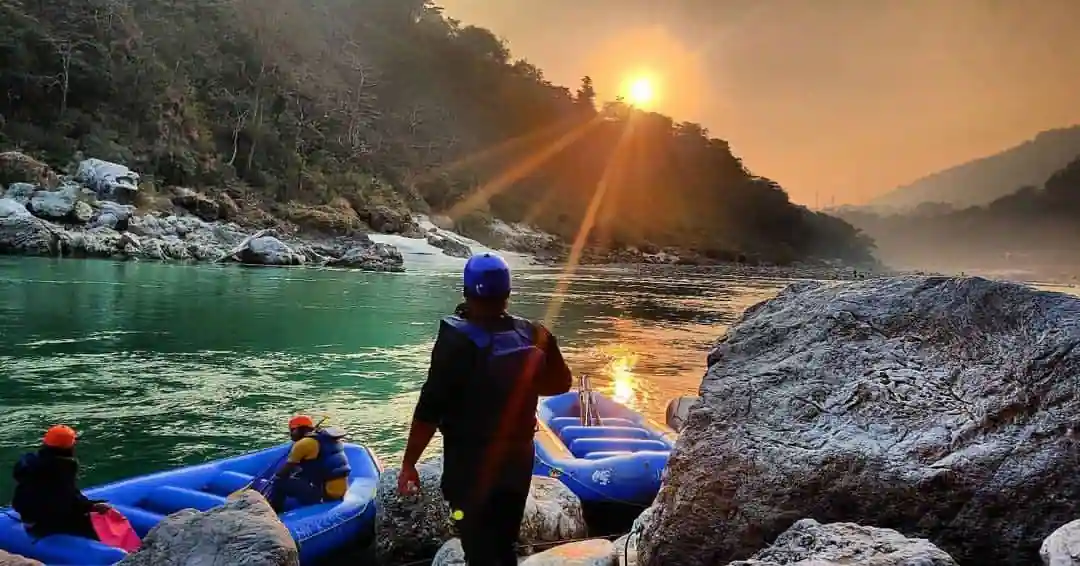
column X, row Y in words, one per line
column 270, row 470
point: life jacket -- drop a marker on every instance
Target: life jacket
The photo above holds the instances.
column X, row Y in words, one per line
column 332, row 462
column 500, row 399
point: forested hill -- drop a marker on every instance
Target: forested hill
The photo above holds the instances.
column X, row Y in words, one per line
column 342, row 103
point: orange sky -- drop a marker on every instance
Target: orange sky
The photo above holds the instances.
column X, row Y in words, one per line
column 840, row 99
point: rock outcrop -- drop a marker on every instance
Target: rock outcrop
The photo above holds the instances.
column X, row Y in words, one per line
column 243, row 532
column 16, row 167
column 808, row 543
column 943, row 407
column 416, row 527
column 21, row 233
column 1062, row 547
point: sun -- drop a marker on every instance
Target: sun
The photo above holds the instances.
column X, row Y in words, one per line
column 640, row 92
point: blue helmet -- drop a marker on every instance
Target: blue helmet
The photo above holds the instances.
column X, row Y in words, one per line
column 487, row 276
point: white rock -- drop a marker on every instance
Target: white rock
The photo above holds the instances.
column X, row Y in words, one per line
column 809, row 543
column 268, row 250
column 1062, row 547
column 595, row 552
column 108, row 180
column 53, row 205
column 243, row 532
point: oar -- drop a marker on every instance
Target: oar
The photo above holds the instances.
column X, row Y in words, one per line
column 272, row 467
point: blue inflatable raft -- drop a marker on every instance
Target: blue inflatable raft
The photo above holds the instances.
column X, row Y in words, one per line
column 317, row 529
column 619, row 457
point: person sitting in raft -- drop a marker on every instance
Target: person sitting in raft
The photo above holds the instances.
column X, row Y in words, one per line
column 316, row 469
column 47, row 497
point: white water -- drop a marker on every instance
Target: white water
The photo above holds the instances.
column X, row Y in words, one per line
column 418, row 254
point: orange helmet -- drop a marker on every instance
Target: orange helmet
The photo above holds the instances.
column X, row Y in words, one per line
column 60, row 436
column 301, row 420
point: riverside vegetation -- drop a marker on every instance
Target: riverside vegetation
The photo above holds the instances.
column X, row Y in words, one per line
column 331, row 115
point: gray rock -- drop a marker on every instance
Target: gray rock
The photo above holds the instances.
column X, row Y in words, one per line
column 268, row 250
column 552, row 513
column 370, row 257
column 21, row 233
column 81, row 212
column 943, row 407
column 21, row 192
column 594, row 552
column 112, row 215
column 450, row 554
column 1062, row 547
column 53, row 205
column 449, row 245
column 626, row 546
column 8, row 559
column 411, row 527
column 110, row 181
column 243, row 532
column 809, row 543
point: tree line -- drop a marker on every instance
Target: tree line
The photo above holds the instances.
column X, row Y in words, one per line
column 344, row 102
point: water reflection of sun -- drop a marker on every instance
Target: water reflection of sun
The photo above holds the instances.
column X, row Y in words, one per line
column 620, row 370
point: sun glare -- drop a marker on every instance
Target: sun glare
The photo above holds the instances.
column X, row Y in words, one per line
column 640, row 92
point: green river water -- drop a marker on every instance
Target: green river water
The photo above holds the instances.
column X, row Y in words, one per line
column 159, row 366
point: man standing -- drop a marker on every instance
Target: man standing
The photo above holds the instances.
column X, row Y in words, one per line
column 488, row 369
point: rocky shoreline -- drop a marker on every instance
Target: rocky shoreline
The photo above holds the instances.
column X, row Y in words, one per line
column 100, row 211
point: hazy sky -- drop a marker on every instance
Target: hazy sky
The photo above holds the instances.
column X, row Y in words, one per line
column 841, row 99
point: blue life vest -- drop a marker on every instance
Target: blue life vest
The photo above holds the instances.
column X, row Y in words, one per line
column 332, row 462
column 499, row 398
column 514, row 342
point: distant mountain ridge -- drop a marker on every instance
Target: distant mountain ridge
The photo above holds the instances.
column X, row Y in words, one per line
column 984, row 180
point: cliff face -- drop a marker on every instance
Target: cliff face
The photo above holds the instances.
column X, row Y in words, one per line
column 386, row 103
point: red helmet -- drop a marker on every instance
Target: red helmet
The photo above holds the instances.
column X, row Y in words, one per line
column 301, row 421
column 60, row 436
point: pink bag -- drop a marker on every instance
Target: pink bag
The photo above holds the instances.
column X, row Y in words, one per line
column 114, row 529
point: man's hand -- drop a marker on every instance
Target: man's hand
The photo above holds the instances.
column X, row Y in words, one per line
column 408, row 480
column 101, row 507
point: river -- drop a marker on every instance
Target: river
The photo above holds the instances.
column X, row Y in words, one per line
column 160, row 365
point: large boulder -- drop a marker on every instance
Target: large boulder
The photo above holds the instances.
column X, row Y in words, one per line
column 593, row 552
column 369, row 256
column 808, row 543
column 268, row 250
column 59, row 205
column 112, row 215
column 22, row 233
column 110, row 181
column 8, row 559
column 942, row 407
column 411, row 527
column 415, row 527
column 1062, row 547
column 450, row 246
column 243, row 532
